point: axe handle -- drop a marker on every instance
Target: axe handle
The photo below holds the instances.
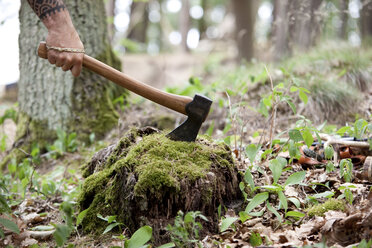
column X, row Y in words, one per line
column 172, row 101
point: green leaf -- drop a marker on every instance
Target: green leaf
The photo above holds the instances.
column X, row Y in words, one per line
column 244, row 216
column 328, row 152
column 273, row 210
column 111, row 218
column 81, row 216
column 101, row 217
column 295, row 201
column 308, row 137
column 294, row 214
column 276, row 168
column 263, row 109
column 283, row 200
column 255, row 239
column 293, row 89
column 295, row 135
column 10, row 225
column 251, row 152
column 61, row 234
column 167, row 245
column 330, row 167
column 295, row 178
column 326, row 194
column 248, row 178
column 344, row 130
column 290, row 104
column 140, row 237
column 110, row 227
column 303, row 96
column 227, row 222
column 257, row 200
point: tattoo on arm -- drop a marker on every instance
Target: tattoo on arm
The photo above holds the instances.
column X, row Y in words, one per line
column 44, row 8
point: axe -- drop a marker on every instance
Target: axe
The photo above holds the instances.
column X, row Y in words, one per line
column 196, row 109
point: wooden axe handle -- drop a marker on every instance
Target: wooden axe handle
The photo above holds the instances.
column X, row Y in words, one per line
column 172, row 101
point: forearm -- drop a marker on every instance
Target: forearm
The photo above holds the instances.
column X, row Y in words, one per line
column 53, row 14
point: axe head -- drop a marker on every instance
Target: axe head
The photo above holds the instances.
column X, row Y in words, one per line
column 197, row 111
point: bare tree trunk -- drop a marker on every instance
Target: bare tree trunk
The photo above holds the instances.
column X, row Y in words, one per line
column 366, row 19
column 306, row 23
column 245, row 16
column 138, row 21
column 280, row 29
column 110, row 12
column 50, row 98
column 185, row 22
column 202, row 25
column 344, row 17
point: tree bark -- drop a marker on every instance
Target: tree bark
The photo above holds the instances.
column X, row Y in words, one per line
column 138, row 21
column 50, row 98
column 366, row 19
column 280, row 30
column 245, row 16
column 110, row 12
column 185, row 24
column 344, row 17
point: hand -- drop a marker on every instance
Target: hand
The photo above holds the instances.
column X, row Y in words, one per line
column 65, row 36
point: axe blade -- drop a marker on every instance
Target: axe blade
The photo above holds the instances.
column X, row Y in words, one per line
column 197, row 111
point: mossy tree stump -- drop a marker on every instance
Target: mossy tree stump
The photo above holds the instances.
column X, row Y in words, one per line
column 146, row 179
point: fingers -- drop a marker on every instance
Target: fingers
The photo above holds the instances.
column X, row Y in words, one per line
column 67, row 61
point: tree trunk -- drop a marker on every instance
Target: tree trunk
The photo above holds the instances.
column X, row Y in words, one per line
column 245, row 16
column 138, row 21
column 50, row 98
column 344, row 17
column 306, row 23
column 280, row 30
column 185, row 24
column 366, row 19
column 110, row 12
column 202, row 24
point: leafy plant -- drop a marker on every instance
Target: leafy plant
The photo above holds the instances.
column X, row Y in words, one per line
column 64, row 143
column 111, row 220
column 185, row 231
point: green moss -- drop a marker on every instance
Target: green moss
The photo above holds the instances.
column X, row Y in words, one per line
column 321, row 209
column 143, row 167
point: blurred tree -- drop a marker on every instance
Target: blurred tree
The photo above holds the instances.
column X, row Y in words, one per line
column 202, row 24
column 185, row 23
column 280, row 30
column 245, row 15
column 366, row 19
column 344, row 17
column 110, row 12
column 50, row 98
column 139, row 12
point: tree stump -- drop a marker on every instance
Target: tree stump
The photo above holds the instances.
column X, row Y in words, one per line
column 146, row 178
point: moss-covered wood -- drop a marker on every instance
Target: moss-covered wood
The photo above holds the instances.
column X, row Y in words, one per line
column 146, row 179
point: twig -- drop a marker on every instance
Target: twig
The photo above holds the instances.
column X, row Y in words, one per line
column 274, row 109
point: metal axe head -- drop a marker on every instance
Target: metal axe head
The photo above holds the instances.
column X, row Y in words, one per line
column 197, row 111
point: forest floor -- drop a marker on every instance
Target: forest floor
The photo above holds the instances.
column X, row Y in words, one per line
column 327, row 200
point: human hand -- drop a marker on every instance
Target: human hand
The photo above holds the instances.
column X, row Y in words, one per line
column 65, row 36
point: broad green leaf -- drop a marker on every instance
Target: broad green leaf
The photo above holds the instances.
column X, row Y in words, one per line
column 303, row 96
column 101, row 217
column 294, row 152
column 244, row 216
column 290, row 104
column 227, row 222
column 328, row 152
column 255, row 239
column 295, row 214
column 344, row 130
column 110, row 227
column 308, row 137
column 168, row 245
column 248, row 178
column 257, row 200
column 188, row 218
column 283, row 200
column 276, row 168
column 271, row 187
column 273, row 210
column 81, row 216
column 295, row 201
column 330, row 167
column 251, row 151
column 295, row 135
column 140, row 237
column 61, row 234
column 293, row 89
column 263, row 109
column 10, row 225
column 295, row 178
column 111, row 218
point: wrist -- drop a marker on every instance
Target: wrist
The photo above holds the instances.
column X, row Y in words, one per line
column 58, row 21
